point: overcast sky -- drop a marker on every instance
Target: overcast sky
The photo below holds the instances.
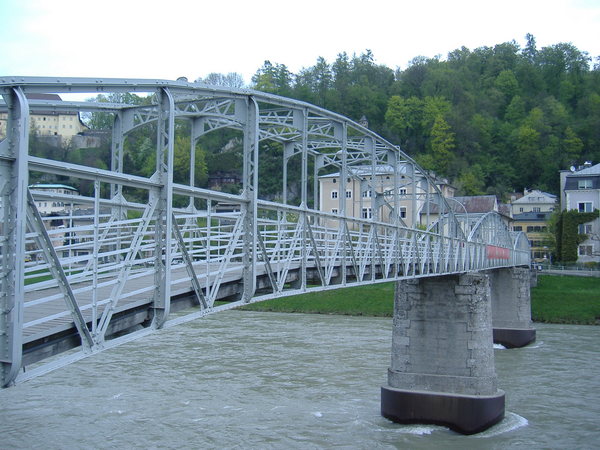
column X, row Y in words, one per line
column 171, row 38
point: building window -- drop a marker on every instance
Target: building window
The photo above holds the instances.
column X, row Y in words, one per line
column 366, row 213
column 402, row 191
column 366, row 194
column 585, row 228
column 537, row 209
column 584, row 207
column 518, row 228
column 520, row 209
column 334, row 194
column 403, row 212
column 584, row 184
column 536, row 229
column 585, row 250
column 334, row 210
column 348, row 194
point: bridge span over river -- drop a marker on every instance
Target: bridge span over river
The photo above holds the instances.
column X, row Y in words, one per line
column 136, row 246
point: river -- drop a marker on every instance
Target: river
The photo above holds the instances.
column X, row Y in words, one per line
column 267, row 380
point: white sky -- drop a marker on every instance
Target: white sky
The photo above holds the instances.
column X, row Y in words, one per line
column 171, row 38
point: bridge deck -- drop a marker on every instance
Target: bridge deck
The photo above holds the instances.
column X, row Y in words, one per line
column 46, row 313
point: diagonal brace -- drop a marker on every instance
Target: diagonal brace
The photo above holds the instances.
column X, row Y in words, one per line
column 45, row 244
column 188, row 264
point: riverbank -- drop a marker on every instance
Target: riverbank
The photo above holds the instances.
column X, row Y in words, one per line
column 556, row 299
column 566, row 299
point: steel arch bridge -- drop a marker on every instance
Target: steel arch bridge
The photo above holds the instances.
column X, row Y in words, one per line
column 138, row 248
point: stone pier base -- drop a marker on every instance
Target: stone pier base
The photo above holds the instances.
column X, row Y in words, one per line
column 511, row 307
column 442, row 369
column 466, row 414
column 514, row 337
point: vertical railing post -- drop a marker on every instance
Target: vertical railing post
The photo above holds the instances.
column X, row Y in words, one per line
column 342, row 198
column 13, row 206
column 164, row 210
column 250, row 191
column 304, row 198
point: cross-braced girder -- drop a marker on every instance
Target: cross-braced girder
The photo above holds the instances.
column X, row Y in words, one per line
column 119, row 255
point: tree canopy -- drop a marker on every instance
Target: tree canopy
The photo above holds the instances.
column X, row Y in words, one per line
column 493, row 119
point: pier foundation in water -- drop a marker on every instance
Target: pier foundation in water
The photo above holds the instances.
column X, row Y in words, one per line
column 442, row 367
column 511, row 307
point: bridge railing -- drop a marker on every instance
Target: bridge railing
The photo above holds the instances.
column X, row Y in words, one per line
column 131, row 241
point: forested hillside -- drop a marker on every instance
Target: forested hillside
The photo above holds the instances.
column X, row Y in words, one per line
column 493, row 119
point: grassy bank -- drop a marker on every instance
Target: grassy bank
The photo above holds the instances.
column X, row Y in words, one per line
column 556, row 299
column 560, row 299
column 374, row 300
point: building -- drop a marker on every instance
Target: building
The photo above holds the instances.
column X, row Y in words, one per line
column 534, row 201
column 469, row 209
column 580, row 191
column 48, row 203
column 535, row 227
column 531, row 213
column 56, row 125
column 357, row 196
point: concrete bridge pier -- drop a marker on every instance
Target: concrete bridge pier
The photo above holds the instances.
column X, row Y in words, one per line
column 511, row 306
column 442, row 369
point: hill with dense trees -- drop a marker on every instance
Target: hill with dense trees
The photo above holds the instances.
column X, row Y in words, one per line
column 494, row 119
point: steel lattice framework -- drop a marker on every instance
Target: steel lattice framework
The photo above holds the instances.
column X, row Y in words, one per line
column 116, row 265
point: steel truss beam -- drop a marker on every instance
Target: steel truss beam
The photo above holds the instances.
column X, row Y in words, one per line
column 123, row 254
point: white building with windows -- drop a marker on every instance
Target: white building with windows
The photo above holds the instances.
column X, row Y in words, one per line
column 534, row 201
column 580, row 191
column 48, row 203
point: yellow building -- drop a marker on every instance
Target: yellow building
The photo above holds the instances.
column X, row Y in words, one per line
column 534, row 225
column 46, row 123
column 531, row 213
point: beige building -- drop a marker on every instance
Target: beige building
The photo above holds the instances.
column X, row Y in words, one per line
column 63, row 125
column 357, row 196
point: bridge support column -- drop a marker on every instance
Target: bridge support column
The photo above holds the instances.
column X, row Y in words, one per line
column 442, row 370
column 511, row 307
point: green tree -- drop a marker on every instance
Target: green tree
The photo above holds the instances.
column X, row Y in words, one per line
column 527, row 152
column 471, row 181
column 104, row 121
column 404, row 117
column 182, row 163
column 275, row 79
column 442, row 144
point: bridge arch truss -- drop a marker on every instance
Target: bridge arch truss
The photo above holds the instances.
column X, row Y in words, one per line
column 132, row 243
